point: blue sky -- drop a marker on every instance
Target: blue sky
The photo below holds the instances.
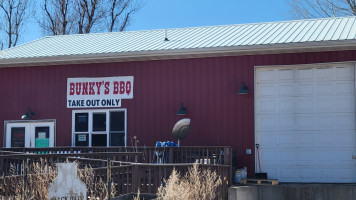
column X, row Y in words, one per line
column 160, row 14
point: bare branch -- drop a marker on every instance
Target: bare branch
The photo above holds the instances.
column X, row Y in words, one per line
column 56, row 17
column 121, row 12
column 322, row 8
column 14, row 13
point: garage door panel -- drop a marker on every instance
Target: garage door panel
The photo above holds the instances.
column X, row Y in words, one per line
column 266, row 106
column 331, row 156
column 336, row 139
column 336, row 121
column 304, row 74
column 330, row 174
column 287, row 122
column 345, row 121
column 304, row 105
column 266, row 123
column 271, row 171
column 285, row 105
column 325, row 73
column 344, row 104
column 326, row 122
column 335, row 104
column 268, row 138
column 304, row 89
column 288, row 157
column 307, row 173
column 305, row 123
column 288, row 173
column 268, row 156
column 325, row 89
column 285, row 75
column 305, row 157
column 285, row 90
column 266, row 90
column 345, row 73
column 265, row 76
column 305, row 139
column 286, row 139
column 344, row 88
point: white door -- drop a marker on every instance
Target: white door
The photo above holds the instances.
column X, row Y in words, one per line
column 305, row 122
column 30, row 134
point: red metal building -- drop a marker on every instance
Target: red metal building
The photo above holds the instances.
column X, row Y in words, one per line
column 206, row 78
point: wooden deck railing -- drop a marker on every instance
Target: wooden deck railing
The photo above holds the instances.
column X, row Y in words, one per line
column 130, row 168
column 185, row 154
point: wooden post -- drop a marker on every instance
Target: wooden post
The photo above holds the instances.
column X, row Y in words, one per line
column 170, row 155
column 227, row 157
column 135, row 179
column 108, row 179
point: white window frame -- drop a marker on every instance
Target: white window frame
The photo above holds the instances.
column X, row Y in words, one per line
column 90, row 124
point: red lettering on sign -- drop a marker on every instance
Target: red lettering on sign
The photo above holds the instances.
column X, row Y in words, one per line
column 98, row 85
column 106, row 85
column 116, row 87
column 128, row 87
column 78, row 88
column 85, row 89
column 122, row 87
column 91, row 88
column 71, row 88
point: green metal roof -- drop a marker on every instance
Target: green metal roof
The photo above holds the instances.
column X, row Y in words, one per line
column 213, row 37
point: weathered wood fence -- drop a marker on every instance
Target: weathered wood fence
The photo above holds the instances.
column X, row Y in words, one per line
column 129, row 168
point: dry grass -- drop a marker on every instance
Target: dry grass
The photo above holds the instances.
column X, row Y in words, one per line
column 40, row 175
column 196, row 184
column 137, row 197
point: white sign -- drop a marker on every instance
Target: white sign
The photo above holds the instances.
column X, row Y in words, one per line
column 42, row 135
column 82, row 138
column 98, row 92
column 67, row 185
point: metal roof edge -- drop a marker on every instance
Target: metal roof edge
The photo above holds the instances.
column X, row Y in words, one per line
column 182, row 53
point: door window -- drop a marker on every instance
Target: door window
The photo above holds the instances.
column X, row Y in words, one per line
column 18, row 137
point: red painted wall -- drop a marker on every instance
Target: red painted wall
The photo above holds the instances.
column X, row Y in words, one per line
column 207, row 87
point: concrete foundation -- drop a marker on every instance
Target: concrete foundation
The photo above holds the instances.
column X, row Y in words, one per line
column 293, row 192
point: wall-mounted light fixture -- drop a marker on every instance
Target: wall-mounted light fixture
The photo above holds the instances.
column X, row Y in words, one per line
column 182, row 110
column 28, row 114
column 243, row 89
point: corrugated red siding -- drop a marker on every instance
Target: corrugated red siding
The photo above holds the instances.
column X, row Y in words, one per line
column 206, row 86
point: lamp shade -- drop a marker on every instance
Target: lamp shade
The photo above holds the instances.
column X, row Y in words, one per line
column 28, row 114
column 243, row 89
column 182, row 110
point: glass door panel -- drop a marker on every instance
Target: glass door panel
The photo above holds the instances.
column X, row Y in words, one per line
column 42, row 136
column 18, row 137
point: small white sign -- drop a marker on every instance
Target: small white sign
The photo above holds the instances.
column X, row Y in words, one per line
column 82, row 138
column 42, row 135
column 67, row 185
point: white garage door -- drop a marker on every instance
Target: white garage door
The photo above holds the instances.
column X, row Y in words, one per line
column 305, row 122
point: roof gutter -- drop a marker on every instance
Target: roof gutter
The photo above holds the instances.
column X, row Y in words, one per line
column 181, row 53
